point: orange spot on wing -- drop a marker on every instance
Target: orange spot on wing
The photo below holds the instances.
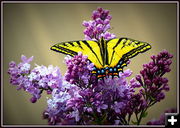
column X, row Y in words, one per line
column 115, row 73
column 110, row 74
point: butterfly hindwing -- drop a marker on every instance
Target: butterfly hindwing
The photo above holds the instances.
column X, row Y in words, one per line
column 88, row 48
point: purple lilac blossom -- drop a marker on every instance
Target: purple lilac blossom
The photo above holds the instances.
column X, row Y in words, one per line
column 56, row 107
column 79, row 69
column 151, row 78
column 152, row 84
column 94, row 100
column 98, row 26
column 116, row 94
column 36, row 80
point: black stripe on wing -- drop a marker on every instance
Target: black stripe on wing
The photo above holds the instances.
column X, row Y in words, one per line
column 136, row 51
column 63, row 50
column 115, row 47
column 123, row 61
column 87, row 44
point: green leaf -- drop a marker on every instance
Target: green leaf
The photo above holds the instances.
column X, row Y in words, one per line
column 144, row 114
column 135, row 123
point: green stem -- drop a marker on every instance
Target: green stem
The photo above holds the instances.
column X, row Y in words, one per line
column 129, row 117
column 140, row 118
column 143, row 111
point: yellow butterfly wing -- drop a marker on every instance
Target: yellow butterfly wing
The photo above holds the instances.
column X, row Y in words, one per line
column 89, row 48
column 121, row 50
column 109, row 57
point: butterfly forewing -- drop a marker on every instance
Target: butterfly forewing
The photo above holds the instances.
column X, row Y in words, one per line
column 88, row 48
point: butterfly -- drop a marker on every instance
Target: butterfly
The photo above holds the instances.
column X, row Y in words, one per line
column 109, row 56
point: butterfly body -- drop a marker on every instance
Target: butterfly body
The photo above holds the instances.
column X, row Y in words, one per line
column 109, row 57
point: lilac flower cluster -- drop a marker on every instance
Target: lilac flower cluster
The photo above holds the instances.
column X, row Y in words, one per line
column 56, row 111
column 80, row 99
column 161, row 120
column 117, row 93
column 79, row 69
column 152, row 80
column 89, row 101
column 36, row 80
column 97, row 28
column 152, row 84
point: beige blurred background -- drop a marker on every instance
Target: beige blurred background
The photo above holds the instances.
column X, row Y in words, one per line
column 31, row 29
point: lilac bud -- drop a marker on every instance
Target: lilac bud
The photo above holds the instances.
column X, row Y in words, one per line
column 148, row 82
column 160, row 62
column 99, row 21
column 105, row 30
column 153, row 57
column 169, row 61
column 99, row 28
column 109, row 17
column 138, row 77
column 132, row 80
column 81, row 93
column 155, row 81
column 89, row 109
column 106, row 12
column 160, row 96
column 86, row 32
column 136, row 85
column 98, row 95
column 166, row 87
column 33, row 99
column 151, row 63
column 49, row 92
column 106, row 21
column 155, row 69
column 85, row 23
column 145, row 77
column 12, row 64
column 95, row 15
column 142, row 72
column 170, row 55
column 164, row 52
column 144, row 65
column 149, row 66
column 87, row 37
column 152, row 88
column 91, row 99
column 103, row 16
column 100, row 9
column 167, row 69
column 164, row 80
